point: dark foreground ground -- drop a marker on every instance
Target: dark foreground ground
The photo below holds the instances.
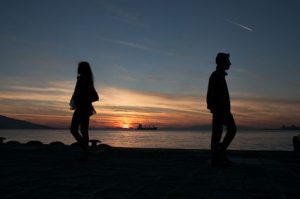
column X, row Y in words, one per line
column 56, row 172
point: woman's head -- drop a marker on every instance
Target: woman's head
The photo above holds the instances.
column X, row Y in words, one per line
column 84, row 70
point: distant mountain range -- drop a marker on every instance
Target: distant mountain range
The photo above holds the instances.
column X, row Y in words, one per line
column 11, row 123
column 286, row 128
column 187, row 128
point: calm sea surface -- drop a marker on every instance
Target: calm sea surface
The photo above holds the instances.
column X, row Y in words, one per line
column 244, row 140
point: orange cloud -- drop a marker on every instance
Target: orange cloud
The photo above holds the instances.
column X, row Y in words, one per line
column 261, row 112
column 119, row 107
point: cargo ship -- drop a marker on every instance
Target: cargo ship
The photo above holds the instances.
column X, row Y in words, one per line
column 141, row 127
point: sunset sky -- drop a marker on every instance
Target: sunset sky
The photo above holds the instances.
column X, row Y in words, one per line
column 151, row 59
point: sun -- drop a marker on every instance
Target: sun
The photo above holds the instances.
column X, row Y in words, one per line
column 125, row 126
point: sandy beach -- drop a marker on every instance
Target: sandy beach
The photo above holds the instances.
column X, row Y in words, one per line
column 56, row 172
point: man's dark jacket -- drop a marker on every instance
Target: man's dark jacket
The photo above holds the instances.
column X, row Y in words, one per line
column 218, row 100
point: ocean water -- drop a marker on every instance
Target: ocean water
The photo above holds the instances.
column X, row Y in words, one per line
column 244, row 140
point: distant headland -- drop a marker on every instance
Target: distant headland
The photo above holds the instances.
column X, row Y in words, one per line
column 11, row 123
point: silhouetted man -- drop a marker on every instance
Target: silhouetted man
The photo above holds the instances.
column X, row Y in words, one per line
column 218, row 102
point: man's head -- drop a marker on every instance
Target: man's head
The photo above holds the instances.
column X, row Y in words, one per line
column 222, row 61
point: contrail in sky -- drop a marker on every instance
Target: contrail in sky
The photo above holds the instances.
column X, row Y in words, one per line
column 239, row 25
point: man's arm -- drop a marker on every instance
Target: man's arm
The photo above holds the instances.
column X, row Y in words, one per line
column 211, row 94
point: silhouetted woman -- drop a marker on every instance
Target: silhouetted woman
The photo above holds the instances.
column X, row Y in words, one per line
column 81, row 101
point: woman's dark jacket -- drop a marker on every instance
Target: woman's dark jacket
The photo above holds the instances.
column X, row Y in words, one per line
column 83, row 96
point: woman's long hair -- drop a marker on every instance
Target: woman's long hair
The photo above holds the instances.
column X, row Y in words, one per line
column 85, row 71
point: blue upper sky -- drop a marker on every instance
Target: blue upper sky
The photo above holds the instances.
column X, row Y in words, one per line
column 164, row 46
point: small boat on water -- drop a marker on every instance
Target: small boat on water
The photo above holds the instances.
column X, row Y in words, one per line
column 141, row 127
